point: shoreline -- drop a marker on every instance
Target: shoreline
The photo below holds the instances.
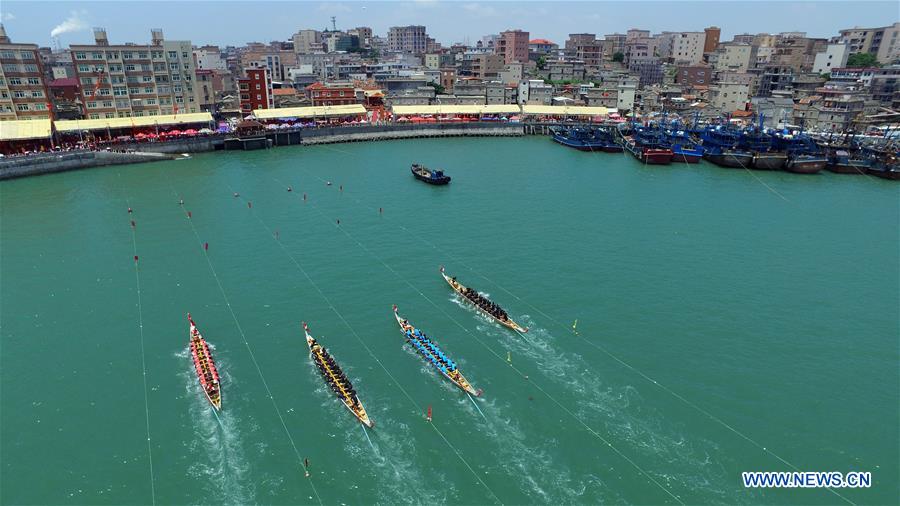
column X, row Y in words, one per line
column 138, row 152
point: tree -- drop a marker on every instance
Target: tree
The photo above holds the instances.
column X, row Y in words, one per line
column 619, row 57
column 541, row 63
column 438, row 89
column 862, row 60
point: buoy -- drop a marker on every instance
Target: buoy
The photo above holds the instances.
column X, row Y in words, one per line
column 339, row 221
column 327, row 183
column 236, row 194
column 249, row 204
column 428, row 418
column 290, row 189
column 129, row 210
column 181, row 202
column 135, row 258
column 304, row 196
column 380, row 210
column 206, row 246
column 342, row 187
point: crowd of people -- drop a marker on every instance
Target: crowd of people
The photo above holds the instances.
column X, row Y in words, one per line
column 485, row 304
column 203, row 358
column 335, row 377
column 425, row 346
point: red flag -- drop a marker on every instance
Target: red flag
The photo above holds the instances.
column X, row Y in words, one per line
column 206, row 246
column 175, row 108
column 189, row 214
column 135, row 258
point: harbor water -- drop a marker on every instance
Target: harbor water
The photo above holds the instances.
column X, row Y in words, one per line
column 727, row 321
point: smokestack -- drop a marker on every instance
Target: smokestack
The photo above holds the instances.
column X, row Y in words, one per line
column 100, row 37
column 3, row 38
column 156, row 35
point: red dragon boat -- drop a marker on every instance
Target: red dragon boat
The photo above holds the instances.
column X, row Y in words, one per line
column 205, row 366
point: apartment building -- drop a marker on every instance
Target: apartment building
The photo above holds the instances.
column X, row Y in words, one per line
column 131, row 80
column 23, row 88
column 513, row 45
column 407, row 39
column 256, row 90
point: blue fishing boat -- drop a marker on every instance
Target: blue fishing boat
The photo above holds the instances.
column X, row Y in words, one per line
column 435, row 177
column 766, row 156
column 586, row 139
column 684, row 148
column 804, row 156
column 721, row 147
column 648, row 145
column 430, row 352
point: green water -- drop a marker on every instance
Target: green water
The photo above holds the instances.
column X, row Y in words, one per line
column 719, row 312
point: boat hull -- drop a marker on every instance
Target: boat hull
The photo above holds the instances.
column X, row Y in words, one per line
column 360, row 414
column 769, row 161
column 730, row 160
column 893, row 175
column 805, row 165
column 686, row 156
column 656, row 156
column 848, row 167
column 587, row 146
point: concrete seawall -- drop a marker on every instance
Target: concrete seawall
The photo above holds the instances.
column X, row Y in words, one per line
column 389, row 132
column 49, row 163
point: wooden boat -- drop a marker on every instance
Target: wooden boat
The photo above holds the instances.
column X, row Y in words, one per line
column 433, row 355
column 461, row 290
column 205, row 366
column 436, row 177
column 333, row 375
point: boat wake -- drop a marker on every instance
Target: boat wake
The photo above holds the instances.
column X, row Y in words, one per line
column 399, row 477
column 623, row 415
column 218, row 463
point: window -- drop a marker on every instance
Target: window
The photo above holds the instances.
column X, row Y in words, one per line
column 104, row 91
column 107, row 103
column 19, row 94
column 173, row 66
column 120, row 91
column 37, row 94
column 145, row 67
column 97, row 55
column 258, row 97
column 147, row 79
column 10, row 55
column 187, row 77
column 10, row 68
column 112, row 55
column 40, row 107
column 157, row 54
column 173, row 55
column 115, row 68
column 118, row 79
column 80, row 55
column 129, row 67
column 186, row 66
column 176, row 89
column 176, row 77
column 142, row 55
column 121, row 104
column 84, row 68
column 148, row 90
column 127, row 55
column 34, row 80
column 184, row 55
column 22, row 107
column 110, row 115
column 257, row 86
column 134, row 91
column 84, row 80
column 150, row 101
column 179, row 100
